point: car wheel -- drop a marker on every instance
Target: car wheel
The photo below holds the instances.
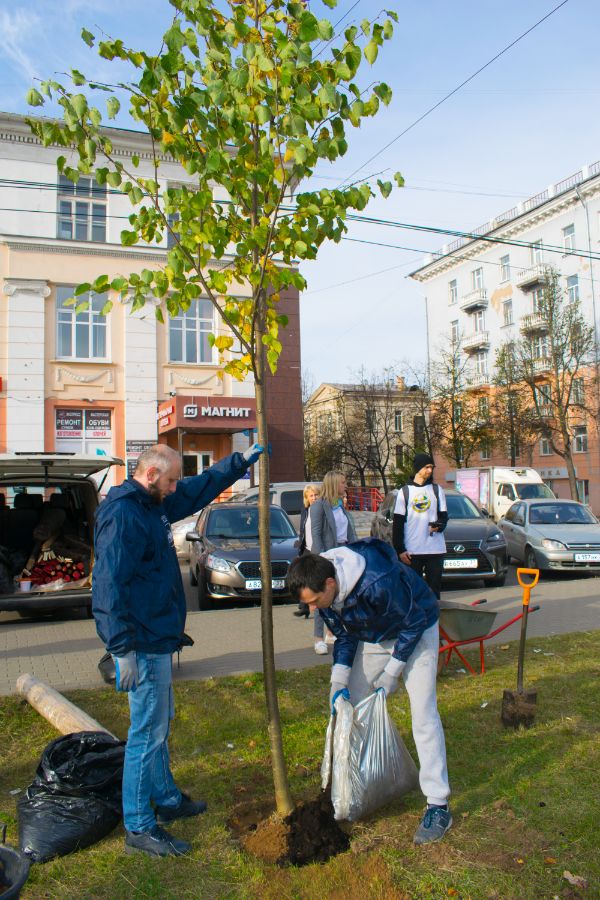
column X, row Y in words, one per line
column 193, row 577
column 498, row 581
column 203, row 601
column 530, row 560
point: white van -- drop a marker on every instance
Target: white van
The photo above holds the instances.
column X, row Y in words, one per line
column 495, row 488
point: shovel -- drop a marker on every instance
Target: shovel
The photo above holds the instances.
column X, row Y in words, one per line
column 518, row 707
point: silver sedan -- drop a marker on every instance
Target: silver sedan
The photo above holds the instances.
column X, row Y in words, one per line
column 552, row 534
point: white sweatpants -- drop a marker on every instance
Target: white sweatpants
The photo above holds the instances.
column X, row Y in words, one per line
column 419, row 676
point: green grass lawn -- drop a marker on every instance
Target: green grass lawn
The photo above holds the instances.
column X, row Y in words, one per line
column 526, row 804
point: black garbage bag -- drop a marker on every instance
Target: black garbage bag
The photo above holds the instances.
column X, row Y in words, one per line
column 75, row 797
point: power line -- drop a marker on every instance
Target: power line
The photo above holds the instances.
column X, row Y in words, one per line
column 456, row 89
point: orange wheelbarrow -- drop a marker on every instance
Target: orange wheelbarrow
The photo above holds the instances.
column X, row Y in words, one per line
column 462, row 624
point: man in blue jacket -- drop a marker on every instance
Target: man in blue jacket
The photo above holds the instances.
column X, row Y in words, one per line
column 385, row 619
column 139, row 607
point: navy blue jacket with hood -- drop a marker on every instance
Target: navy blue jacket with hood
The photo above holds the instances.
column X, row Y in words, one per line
column 138, row 600
column 379, row 599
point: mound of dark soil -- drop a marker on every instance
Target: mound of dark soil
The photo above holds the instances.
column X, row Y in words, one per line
column 309, row 834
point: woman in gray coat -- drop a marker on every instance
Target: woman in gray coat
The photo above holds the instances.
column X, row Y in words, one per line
column 331, row 526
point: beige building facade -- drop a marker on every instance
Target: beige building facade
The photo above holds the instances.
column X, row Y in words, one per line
column 96, row 384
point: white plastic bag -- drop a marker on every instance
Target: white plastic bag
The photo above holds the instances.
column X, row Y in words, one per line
column 365, row 758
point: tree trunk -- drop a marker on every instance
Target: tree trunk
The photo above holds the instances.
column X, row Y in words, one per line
column 571, row 473
column 283, row 797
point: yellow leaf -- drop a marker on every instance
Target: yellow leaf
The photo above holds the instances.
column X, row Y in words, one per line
column 549, row 860
column 167, row 138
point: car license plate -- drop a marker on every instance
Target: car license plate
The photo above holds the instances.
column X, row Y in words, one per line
column 255, row 584
column 587, row 557
column 460, row 563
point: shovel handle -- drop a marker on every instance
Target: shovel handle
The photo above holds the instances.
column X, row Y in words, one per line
column 528, row 585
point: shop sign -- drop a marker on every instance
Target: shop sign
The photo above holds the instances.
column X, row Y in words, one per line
column 69, row 423
column 555, row 472
column 190, row 411
column 164, row 415
column 132, row 451
column 97, row 423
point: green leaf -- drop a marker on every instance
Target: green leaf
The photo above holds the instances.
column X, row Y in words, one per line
column 129, row 238
column 325, row 30
column 112, row 107
column 88, row 37
column 384, row 92
column 300, row 248
column 330, row 3
column 77, row 78
column 82, row 289
column 371, row 52
column 399, row 179
column 385, row 187
column 34, row 98
column 79, row 104
column 114, row 179
column 388, row 30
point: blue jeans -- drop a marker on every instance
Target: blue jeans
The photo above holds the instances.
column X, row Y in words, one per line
column 147, row 775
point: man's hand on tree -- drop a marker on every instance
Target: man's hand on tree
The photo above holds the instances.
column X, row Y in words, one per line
column 253, row 452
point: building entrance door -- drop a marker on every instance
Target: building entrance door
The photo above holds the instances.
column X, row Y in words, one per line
column 196, row 463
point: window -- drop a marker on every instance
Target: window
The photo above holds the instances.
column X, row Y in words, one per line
column 399, row 457
column 583, row 490
column 452, row 291
column 539, row 346
column 580, row 439
column 569, row 237
column 537, row 300
column 479, row 321
column 454, row 332
column 537, row 252
column 486, row 450
column 578, row 391
column 505, row 268
column 543, row 395
column 173, row 219
column 573, row 288
column 457, row 412
column 480, row 362
column 419, row 431
column 398, row 420
column 507, row 312
column 81, row 210
column 545, row 448
column 477, row 279
column 188, row 334
column 483, row 408
column 80, row 335
column 507, row 490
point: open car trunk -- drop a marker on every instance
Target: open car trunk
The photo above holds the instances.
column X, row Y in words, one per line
column 47, row 508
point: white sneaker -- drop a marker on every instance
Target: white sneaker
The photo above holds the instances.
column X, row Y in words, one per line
column 321, row 648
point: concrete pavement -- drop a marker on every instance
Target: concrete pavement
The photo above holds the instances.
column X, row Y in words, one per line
column 65, row 653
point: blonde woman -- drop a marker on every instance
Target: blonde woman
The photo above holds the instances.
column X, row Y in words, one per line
column 331, row 526
column 311, row 493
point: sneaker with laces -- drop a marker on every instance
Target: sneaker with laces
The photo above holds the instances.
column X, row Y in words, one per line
column 156, row 842
column 433, row 826
column 186, row 810
column 321, row 648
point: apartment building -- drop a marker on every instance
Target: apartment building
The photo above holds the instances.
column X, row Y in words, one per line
column 114, row 384
column 484, row 292
column 368, row 430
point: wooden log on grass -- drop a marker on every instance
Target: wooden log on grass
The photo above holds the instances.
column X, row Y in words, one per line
column 60, row 712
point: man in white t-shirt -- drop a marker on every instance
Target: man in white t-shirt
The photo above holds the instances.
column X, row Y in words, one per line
column 420, row 517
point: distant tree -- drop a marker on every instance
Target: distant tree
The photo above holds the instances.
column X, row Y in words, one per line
column 515, row 425
column 555, row 364
column 459, row 424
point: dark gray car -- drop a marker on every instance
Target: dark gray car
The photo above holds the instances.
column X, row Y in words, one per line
column 553, row 534
column 475, row 545
column 225, row 559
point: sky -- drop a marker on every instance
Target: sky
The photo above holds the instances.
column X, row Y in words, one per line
column 529, row 120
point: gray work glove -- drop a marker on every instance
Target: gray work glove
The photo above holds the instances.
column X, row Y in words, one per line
column 390, row 677
column 252, row 453
column 126, row 671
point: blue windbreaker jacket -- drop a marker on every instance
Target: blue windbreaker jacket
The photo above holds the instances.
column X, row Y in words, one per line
column 138, row 600
column 389, row 601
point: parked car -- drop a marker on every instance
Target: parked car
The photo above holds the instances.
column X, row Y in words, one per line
column 180, row 532
column 287, row 494
column 53, row 493
column 224, row 554
column 553, row 534
column 475, row 545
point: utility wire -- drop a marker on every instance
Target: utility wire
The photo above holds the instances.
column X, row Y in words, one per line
column 455, row 90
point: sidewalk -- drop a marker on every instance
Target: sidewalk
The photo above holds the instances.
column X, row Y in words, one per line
column 227, row 642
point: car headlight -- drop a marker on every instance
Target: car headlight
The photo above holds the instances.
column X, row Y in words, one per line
column 218, row 564
column 496, row 538
column 547, row 544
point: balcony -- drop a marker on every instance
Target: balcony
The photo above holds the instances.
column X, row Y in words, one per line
column 533, row 322
column 542, row 366
column 476, row 299
column 528, row 278
column 478, row 380
column 478, row 341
